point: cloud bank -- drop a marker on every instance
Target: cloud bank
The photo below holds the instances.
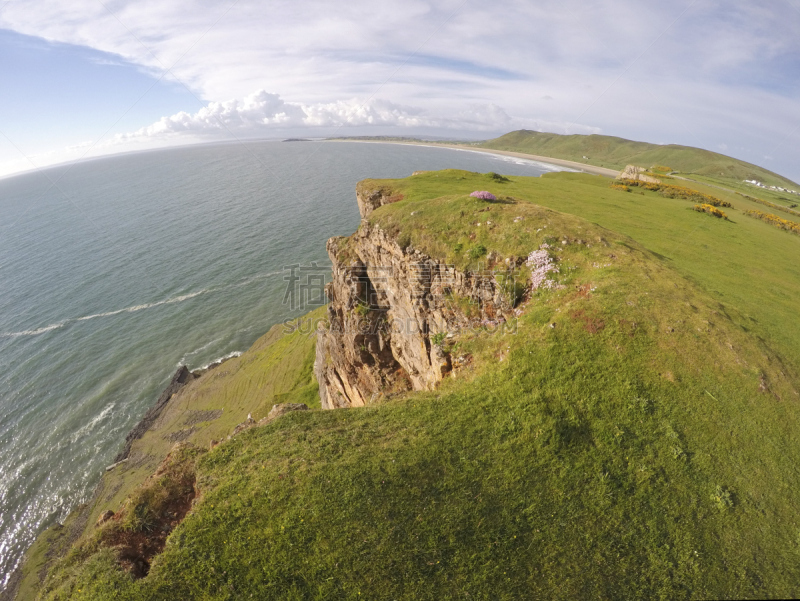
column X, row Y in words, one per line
column 262, row 113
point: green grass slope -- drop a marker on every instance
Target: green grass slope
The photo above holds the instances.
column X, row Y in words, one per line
column 616, row 153
column 748, row 266
column 634, row 436
column 276, row 369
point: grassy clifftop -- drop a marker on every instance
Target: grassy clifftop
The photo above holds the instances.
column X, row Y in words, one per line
column 616, row 153
column 635, row 435
column 746, row 264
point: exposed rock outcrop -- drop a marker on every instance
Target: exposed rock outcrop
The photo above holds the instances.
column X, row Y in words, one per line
column 390, row 308
column 282, row 409
column 139, row 531
column 635, row 173
column 277, row 411
column 370, row 198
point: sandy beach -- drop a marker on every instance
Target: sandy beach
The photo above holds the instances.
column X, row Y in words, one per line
column 520, row 155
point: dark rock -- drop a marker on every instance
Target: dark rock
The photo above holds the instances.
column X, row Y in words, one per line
column 104, row 517
column 179, row 380
column 195, row 417
column 248, row 423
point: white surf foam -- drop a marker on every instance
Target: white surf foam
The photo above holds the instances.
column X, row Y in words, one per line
column 76, row 436
column 133, row 309
column 225, row 358
column 36, row 332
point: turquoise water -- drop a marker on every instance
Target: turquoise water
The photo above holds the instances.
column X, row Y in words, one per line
column 115, row 271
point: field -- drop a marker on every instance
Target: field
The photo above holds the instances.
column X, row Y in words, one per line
column 635, row 435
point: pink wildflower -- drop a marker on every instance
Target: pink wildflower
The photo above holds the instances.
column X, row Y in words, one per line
column 483, row 195
column 541, row 264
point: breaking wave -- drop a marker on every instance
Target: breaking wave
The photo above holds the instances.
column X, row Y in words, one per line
column 133, row 309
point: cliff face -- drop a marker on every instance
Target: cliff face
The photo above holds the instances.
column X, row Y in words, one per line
column 390, row 309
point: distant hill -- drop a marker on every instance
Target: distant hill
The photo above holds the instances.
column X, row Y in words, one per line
column 616, row 153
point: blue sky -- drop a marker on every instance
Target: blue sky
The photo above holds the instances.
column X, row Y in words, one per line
column 91, row 77
column 55, row 93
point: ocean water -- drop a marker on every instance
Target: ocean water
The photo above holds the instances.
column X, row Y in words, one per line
column 115, row 271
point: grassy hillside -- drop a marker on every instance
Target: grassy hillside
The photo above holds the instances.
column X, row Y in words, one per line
column 276, row 369
column 635, row 436
column 616, row 153
column 747, row 266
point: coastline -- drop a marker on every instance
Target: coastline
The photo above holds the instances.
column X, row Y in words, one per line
column 188, row 410
column 60, row 537
column 280, row 477
column 519, row 155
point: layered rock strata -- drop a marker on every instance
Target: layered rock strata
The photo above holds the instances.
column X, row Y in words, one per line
column 391, row 308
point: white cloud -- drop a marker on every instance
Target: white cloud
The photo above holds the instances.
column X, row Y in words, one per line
column 262, row 112
column 719, row 70
column 256, row 111
column 314, row 50
column 372, row 112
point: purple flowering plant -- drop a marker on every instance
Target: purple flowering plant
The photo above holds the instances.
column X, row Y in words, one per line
column 540, row 264
column 483, row 195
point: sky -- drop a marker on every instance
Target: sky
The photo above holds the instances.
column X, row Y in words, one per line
column 85, row 78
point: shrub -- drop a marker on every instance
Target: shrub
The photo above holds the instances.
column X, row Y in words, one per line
column 438, row 338
column 497, row 177
column 476, row 252
column 514, row 286
column 784, row 224
column 141, row 518
column 404, row 240
column 711, row 210
column 668, row 191
column 661, row 169
column 678, row 452
column 622, row 187
column 644, row 405
column 147, row 507
column 516, row 291
column 483, row 195
column 722, row 498
column 771, row 205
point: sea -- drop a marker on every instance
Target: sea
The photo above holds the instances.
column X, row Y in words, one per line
column 115, row 271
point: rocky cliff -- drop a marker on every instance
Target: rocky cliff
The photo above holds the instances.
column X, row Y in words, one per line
column 391, row 308
column 637, row 174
